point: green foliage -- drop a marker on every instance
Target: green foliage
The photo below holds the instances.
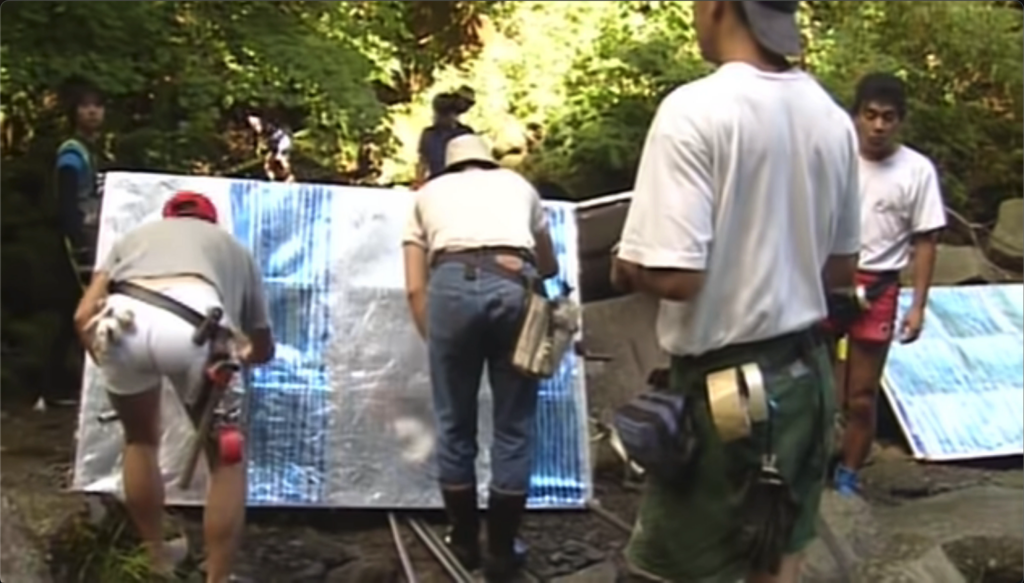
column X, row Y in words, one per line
column 643, row 51
column 357, row 78
column 962, row 65
column 200, row 63
column 961, row 61
column 109, row 551
column 179, row 76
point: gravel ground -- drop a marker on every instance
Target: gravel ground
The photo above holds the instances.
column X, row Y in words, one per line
column 356, row 546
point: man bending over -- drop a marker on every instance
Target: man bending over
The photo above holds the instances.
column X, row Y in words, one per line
column 189, row 259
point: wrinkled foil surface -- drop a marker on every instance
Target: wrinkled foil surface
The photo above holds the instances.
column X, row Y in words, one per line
column 342, row 417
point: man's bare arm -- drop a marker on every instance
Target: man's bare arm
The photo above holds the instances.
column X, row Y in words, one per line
column 547, row 263
column 840, row 271
column 261, row 347
column 677, row 285
column 924, row 245
column 89, row 306
column 416, row 285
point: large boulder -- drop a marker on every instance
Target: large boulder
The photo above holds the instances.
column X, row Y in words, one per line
column 958, row 264
column 599, row 222
column 1006, row 243
column 620, row 330
column 969, row 534
column 22, row 555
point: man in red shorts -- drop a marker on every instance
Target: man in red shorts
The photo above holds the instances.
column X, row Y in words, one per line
column 901, row 216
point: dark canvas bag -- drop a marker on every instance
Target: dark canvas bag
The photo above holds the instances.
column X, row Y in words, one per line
column 656, row 432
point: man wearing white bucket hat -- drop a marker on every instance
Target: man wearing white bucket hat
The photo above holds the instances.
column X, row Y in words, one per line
column 475, row 238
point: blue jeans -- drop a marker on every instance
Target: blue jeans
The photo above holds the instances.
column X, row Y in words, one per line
column 473, row 317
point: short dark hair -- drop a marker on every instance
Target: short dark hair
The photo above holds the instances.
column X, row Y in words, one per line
column 75, row 91
column 882, row 88
column 451, row 104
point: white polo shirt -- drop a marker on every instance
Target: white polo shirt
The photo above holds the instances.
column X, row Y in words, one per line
column 750, row 177
column 475, row 208
column 899, row 198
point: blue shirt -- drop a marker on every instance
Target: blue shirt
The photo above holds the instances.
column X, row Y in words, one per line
column 78, row 199
column 433, row 142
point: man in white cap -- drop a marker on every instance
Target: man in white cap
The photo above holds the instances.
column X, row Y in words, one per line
column 745, row 209
column 481, row 234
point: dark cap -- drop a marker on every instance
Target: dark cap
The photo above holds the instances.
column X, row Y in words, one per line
column 190, row 204
column 774, row 25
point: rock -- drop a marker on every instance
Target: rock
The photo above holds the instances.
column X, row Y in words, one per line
column 938, row 539
column 360, row 571
column 958, row 264
column 931, row 566
column 1007, row 239
column 22, row 557
column 847, row 536
column 600, row 573
column 990, row 559
column 586, row 551
column 893, row 478
column 970, row 512
column 313, row 572
column 622, row 329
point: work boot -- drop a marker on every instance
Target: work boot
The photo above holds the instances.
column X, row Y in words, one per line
column 504, row 514
column 464, row 533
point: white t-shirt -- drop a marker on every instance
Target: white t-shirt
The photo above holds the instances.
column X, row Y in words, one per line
column 473, row 209
column 750, row 177
column 899, row 197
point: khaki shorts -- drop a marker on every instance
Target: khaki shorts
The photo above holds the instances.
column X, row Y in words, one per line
column 690, row 533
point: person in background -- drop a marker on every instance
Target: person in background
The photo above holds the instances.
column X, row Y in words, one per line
column 276, row 142
column 77, row 193
column 476, row 237
column 902, row 214
column 434, row 139
column 745, row 210
column 186, row 257
column 78, row 200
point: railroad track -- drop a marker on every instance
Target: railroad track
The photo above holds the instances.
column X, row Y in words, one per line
column 433, row 541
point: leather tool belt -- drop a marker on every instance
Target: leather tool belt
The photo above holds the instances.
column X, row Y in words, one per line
column 549, row 325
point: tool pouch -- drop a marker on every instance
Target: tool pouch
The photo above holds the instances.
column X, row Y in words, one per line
column 106, row 329
column 545, row 335
column 656, row 432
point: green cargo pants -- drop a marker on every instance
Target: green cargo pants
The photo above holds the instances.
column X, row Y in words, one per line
column 689, row 533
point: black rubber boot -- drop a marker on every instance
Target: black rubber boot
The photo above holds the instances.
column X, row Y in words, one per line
column 464, row 534
column 504, row 514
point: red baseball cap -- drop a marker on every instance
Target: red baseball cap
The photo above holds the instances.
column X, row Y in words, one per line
column 190, row 204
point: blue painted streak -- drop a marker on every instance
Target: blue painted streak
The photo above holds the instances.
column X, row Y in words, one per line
column 560, row 476
column 958, row 390
column 288, row 229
